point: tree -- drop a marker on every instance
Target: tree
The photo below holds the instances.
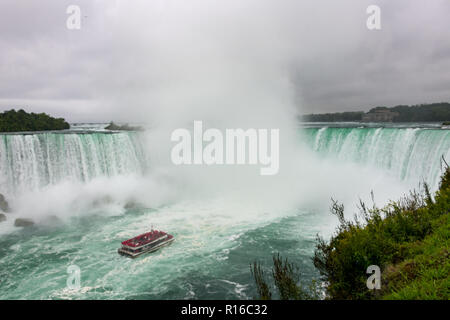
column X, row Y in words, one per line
column 16, row 121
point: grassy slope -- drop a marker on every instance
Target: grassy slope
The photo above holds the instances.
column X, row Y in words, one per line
column 424, row 273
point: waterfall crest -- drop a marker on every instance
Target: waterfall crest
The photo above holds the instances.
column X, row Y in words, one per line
column 407, row 153
column 31, row 161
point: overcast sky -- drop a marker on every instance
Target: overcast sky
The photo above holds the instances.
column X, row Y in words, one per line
column 134, row 59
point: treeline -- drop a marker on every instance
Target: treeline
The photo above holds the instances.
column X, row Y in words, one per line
column 423, row 112
column 16, row 121
column 334, row 117
column 408, row 240
column 434, row 112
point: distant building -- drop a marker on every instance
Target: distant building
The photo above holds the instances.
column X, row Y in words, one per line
column 379, row 115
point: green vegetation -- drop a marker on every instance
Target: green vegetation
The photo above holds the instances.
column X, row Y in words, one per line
column 286, row 277
column 17, row 121
column 434, row 112
column 334, row 117
column 423, row 112
column 407, row 239
column 125, row 127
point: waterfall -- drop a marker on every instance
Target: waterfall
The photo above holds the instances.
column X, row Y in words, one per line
column 31, row 161
column 412, row 154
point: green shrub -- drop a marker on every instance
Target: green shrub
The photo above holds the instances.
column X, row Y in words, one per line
column 286, row 277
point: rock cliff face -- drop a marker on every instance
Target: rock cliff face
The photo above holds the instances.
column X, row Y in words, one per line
column 4, row 206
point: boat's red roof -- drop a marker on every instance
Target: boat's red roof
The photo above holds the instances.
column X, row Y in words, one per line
column 143, row 238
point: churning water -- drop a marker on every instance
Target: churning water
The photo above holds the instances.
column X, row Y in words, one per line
column 88, row 191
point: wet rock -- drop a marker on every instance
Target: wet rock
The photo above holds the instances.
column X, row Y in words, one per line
column 20, row 222
column 2, row 217
column 4, row 206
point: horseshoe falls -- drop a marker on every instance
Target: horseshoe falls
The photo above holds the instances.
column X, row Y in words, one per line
column 412, row 154
column 88, row 191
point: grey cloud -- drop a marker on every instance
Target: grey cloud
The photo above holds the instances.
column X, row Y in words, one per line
column 159, row 58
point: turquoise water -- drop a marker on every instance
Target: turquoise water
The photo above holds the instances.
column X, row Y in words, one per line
column 201, row 264
column 85, row 191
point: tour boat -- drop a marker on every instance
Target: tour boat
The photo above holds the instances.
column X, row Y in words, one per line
column 147, row 242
